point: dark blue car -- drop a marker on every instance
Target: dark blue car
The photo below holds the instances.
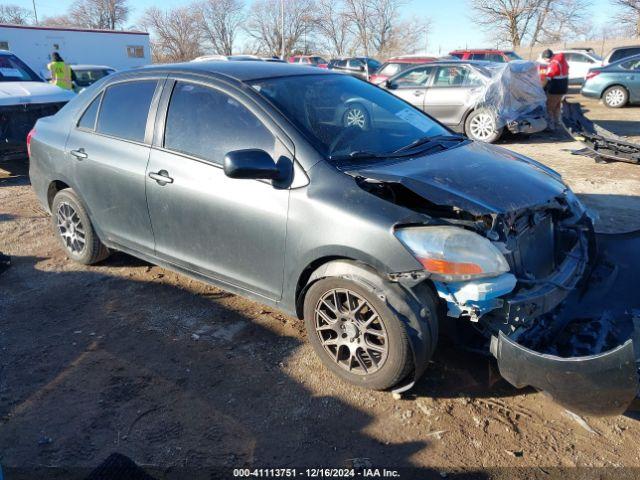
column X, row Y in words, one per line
column 617, row 84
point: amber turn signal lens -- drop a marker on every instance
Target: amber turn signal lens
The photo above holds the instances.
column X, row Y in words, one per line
column 450, row 268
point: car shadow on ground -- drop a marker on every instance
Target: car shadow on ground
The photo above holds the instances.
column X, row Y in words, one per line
column 94, row 364
column 14, row 172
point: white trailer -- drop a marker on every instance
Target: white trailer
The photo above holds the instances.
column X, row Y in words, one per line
column 34, row 45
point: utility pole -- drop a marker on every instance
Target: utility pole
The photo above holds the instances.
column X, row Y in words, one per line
column 35, row 12
column 282, row 27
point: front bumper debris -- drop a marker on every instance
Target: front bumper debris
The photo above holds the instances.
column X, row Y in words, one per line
column 603, row 384
column 599, row 143
column 585, row 353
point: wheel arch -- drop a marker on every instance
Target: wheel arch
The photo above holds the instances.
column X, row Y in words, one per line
column 54, row 187
column 410, row 305
column 615, row 85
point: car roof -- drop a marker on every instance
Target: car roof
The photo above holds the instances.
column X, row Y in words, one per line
column 410, row 59
column 240, row 71
column 90, row 67
column 479, row 50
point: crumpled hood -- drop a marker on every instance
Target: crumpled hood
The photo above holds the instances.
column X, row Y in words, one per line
column 475, row 177
column 19, row 93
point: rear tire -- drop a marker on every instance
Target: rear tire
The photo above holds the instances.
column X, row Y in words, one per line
column 376, row 357
column 480, row 125
column 74, row 229
column 615, row 97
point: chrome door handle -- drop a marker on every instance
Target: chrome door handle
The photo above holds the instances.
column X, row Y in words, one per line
column 417, row 93
column 162, row 177
column 80, row 154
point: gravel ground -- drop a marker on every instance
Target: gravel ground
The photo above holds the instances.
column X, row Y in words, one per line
column 128, row 357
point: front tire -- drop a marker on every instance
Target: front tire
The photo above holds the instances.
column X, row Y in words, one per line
column 480, row 125
column 356, row 335
column 615, row 97
column 74, row 229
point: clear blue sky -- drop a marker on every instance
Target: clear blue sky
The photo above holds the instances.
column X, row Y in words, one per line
column 452, row 25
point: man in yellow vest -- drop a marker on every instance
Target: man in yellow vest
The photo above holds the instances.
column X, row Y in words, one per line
column 60, row 72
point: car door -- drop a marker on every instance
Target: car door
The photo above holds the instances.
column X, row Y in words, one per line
column 452, row 92
column 109, row 147
column 412, row 85
column 229, row 229
column 632, row 78
column 579, row 65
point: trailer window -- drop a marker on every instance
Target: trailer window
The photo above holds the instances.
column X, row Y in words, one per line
column 135, row 51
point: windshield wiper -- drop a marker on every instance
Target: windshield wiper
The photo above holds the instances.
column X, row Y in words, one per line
column 431, row 139
column 357, row 154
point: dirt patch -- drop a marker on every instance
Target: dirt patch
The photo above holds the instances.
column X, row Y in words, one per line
column 127, row 357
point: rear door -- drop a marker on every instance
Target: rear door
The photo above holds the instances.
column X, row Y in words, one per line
column 632, row 78
column 109, row 148
column 452, row 93
column 229, row 229
column 412, row 85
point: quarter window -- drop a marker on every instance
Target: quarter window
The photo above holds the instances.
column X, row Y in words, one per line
column 88, row 119
column 208, row 124
column 125, row 108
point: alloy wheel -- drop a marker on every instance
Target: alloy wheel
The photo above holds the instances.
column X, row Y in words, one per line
column 70, row 228
column 615, row 97
column 355, row 117
column 351, row 331
column 482, row 126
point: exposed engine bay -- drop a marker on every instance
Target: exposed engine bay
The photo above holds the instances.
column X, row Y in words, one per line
column 547, row 321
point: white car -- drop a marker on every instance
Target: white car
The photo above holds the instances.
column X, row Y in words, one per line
column 24, row 98
column 580, row 61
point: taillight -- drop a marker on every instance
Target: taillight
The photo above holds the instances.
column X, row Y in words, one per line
column 592, row 74
column 29, row 135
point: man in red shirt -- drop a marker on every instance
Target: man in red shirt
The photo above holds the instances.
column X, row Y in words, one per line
column 556, row 86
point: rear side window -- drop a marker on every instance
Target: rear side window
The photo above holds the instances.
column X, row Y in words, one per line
column 478, row 56
column 622, row 53
column 125, row 108
column 88, row 119
column 208, row 124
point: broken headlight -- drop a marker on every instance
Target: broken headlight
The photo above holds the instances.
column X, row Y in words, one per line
column 452, row 253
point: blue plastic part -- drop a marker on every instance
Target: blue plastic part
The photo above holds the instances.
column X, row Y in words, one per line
column 475, row 297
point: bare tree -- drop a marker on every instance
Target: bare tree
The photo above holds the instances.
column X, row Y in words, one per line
column 176, row 36
column 264, row 24
column 15, row 15
column 374, row 23
column 558, row 20
column 101, row 14
column 507, row 20
column 333, row 28
column 629, row 15
column 221, row 21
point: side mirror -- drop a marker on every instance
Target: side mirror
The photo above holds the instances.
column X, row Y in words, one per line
column 390, row 85
column 251, row 164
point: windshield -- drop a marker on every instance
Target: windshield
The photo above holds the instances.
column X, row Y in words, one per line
column 344, row 116
column 12, row 69
column 389, row 69
column 513, row 56
column 86, row 77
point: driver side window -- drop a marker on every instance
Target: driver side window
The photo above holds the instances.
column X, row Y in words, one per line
column 206, row 123
column 415, row 78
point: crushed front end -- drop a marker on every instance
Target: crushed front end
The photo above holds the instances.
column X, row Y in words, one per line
column 551, row 322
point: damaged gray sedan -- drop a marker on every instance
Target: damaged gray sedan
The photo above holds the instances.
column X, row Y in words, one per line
column 379, row 235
